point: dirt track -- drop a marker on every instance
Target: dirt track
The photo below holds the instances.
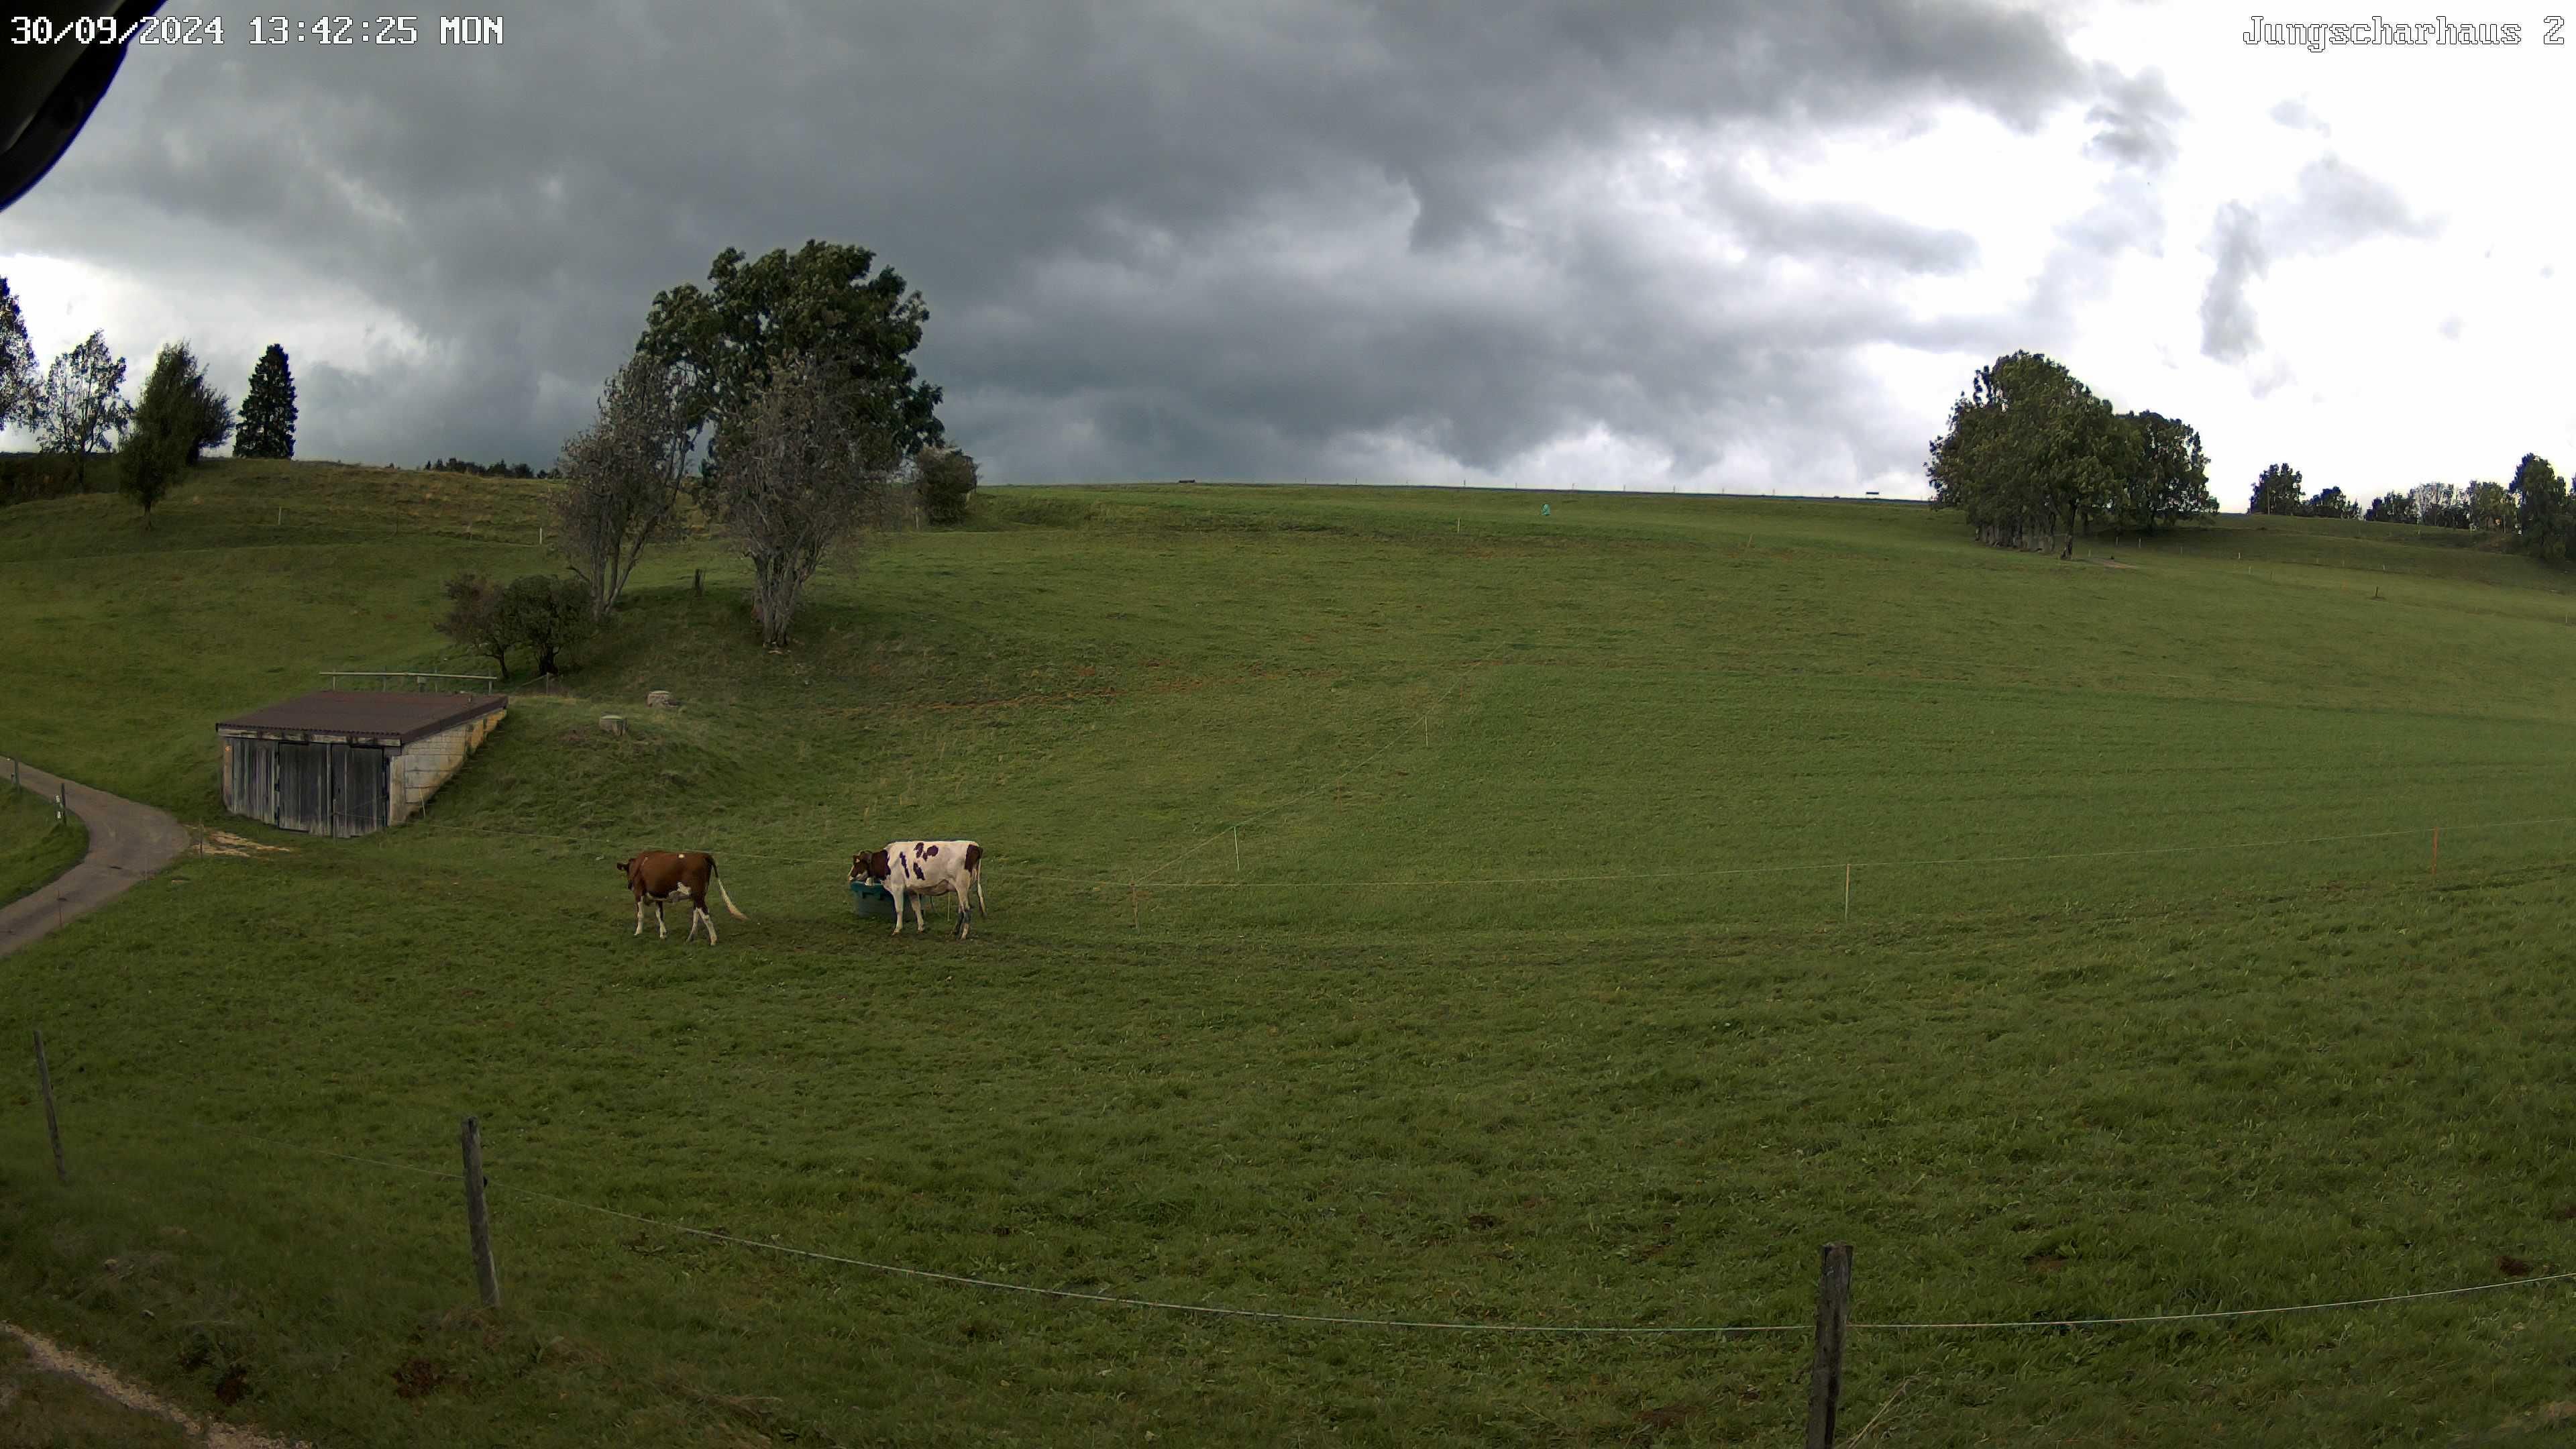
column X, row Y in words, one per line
column 127, row 842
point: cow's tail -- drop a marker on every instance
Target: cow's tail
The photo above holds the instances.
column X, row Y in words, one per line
column 716, row 878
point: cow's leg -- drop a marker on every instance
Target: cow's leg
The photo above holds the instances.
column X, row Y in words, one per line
column 639, row 915
column 699, row 903
column 662, row 922
column 897, row 892
column 961, row 915
column 919, row 927
column 694, row 913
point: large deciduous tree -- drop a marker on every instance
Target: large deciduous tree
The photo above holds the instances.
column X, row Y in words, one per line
column 2541, row 513
column 819, row 302
column 169, row 428
column 268, row 409
column 80, row 407
column 2030, row 457
column 2280, row 490
column 626, row 475
column 2491, row 507
column 2441, row 505
column 2392, row 507
column 803, row 475
column 18, row 378
column 2162, row 476
column 2330, row 503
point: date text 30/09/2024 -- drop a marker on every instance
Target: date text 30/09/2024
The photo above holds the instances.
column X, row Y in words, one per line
column 194, row 30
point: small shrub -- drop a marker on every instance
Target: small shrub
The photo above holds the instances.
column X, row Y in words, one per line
column 947, row 481
column 548, row 613
column 475, row 621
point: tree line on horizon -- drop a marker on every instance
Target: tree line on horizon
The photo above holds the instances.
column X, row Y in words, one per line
column 495, row 469
column 78, row 410
column 2033, row 457
column 780, row 401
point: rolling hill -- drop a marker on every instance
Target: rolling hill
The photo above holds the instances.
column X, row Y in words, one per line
column 1406, row 907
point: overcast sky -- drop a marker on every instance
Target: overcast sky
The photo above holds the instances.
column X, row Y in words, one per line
column 1652, row 244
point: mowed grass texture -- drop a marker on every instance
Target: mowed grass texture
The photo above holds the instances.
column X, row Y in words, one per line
column 1532, row 999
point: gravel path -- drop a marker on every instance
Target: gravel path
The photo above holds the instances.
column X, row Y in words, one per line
column 127, row 842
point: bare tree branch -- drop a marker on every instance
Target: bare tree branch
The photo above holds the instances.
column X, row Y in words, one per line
column 626, row 475
column 804, row 478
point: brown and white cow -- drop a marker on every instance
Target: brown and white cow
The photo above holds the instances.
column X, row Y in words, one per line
column 661, row 875
column 918, row 868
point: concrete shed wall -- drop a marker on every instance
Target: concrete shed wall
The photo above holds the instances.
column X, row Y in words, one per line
column 430, row 761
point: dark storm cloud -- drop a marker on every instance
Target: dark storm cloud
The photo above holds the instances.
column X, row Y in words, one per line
column 2333, row 209
column 1247, row 239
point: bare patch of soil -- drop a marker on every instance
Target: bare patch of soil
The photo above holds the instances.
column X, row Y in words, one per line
column 224, row 842
column 52, row 1358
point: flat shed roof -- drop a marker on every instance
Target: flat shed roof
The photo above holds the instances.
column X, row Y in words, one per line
column 400, row 715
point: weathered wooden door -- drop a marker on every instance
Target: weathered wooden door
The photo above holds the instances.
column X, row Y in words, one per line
column 358, row 775
column 303, row 789
column 250, row 777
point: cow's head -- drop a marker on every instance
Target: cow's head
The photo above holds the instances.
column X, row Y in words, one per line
column 626, row 868
column 872, row 866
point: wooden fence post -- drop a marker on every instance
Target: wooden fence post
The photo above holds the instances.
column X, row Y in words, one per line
column 478, row 1220
column 53, row 1128
column 1833, row 1321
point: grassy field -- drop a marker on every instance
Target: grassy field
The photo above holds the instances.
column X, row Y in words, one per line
column 34, row 847
column 1405, row 907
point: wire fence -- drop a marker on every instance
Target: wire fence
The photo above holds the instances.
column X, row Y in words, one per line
column 1832, row 1310
column 1367, row 1321
column 2427, row 833
column 414, row 676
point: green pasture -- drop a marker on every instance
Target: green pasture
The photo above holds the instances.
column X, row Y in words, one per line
column 1405, row 907
column 34, row 846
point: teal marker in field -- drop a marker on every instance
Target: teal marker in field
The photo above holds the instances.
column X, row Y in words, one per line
column 1542, row 510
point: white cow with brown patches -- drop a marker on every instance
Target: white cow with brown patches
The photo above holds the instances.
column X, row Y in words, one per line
column 918, row 868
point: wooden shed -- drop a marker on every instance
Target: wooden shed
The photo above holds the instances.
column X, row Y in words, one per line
column 350, row 761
